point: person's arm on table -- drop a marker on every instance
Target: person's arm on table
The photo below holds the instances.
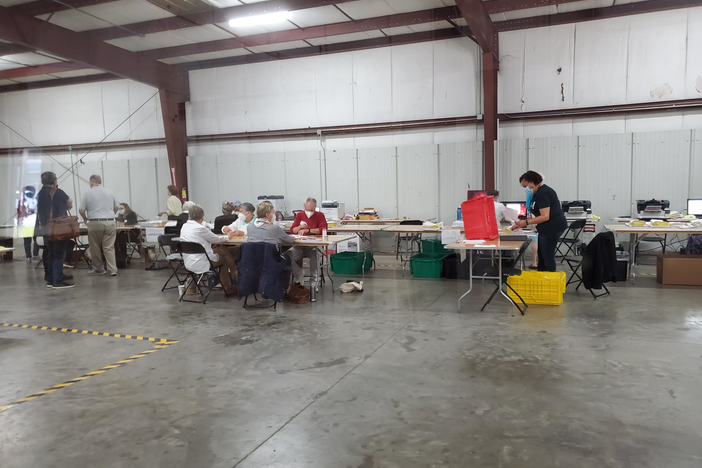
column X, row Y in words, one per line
column 542, row 218
column 321, row 226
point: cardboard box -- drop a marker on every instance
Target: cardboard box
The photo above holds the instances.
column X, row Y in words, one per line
column 681, row 270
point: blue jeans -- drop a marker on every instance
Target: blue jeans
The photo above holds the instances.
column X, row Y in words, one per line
column 54, row 256
column 28, row 247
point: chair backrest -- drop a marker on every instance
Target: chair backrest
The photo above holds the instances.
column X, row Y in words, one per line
column 411, row 222
column 191, row 248
column 166, row 240
column 577, row 225
column 520, row 255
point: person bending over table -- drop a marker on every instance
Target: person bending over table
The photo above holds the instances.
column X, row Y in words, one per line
column 549, row 219
column 263, row 229
column 239, row 227
column 195, row 231
column 307, row 222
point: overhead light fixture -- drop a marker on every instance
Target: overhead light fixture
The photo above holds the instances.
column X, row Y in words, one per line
column 268, row 18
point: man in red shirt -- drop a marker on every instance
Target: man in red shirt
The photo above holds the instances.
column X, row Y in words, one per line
column 307, row 222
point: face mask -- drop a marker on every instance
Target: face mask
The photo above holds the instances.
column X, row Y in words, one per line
column 309, row 213
column 120, row 212
column 528, row 190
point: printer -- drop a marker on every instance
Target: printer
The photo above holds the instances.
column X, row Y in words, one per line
column 332, row 209
column 278, row 202
column 653, row 209
column 577, row 209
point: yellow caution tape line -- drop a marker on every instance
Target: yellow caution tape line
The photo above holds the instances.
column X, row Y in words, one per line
column 86, row 332
column 85, row 377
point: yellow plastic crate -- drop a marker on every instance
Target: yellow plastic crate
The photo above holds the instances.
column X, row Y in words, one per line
column 538, row 287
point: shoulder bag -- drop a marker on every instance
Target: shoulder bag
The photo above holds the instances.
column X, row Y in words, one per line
column 63, row 227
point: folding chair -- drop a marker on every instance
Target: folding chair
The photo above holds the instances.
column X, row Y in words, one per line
column 174, row 258
column 577, row 228
column 211, row 275
column 510, row 266
column 409, row 238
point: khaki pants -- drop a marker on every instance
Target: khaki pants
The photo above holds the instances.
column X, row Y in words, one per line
column 101, row 237
column 227, row 260
column 296, row 254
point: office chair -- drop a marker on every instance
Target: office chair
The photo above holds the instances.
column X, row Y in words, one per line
column 576, row 227
column 211, row 276
column 411, row 239
column 510, row 266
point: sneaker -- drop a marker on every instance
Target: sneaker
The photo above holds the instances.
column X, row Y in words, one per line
column 97, row 272
column 68, row 265
column 36, row 258
column 29, row 259
column 114, row 273
column 63, row 285
column 49, row 285
column 67, row 277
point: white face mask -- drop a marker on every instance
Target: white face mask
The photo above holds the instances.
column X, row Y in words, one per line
column 309, row 213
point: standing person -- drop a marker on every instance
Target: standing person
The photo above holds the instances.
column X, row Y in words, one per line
column 173, row 205
column 226, row 257
column 535, row 238
column 307, row 222
column 549, row 219
column 52, row 202
column 98, row 208
column 240, row 227
column 26, row 222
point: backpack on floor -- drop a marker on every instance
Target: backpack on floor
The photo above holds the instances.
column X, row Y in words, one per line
column 694, row 245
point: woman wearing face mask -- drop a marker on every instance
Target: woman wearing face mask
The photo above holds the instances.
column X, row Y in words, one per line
column 126, row 215
column 535, row 238
column 548, row 218
column 264, row 230
column 239, row 227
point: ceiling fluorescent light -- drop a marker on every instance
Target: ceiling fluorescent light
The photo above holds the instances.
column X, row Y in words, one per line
column 268, row 18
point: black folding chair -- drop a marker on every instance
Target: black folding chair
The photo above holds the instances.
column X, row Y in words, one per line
column 576, row 227
column 411, row 239
column 510, row 266
column 575, row 263
column 174, row 259
column 211, row 276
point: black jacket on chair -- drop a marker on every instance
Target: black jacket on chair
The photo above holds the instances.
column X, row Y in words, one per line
column 263, row 270
column 600, row 261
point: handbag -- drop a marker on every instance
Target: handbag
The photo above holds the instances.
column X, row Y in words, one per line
column 298, row 294
column 63, row 227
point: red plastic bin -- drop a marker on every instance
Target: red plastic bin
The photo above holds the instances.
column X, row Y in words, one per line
column 479, row 218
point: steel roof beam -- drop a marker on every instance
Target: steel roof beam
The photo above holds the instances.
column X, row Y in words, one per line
column 480, row 24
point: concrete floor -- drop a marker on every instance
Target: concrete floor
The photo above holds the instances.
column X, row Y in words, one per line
column 392, row 377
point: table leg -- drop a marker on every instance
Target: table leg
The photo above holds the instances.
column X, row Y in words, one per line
column 632, row 257
column 470, row 278
column 325, row 255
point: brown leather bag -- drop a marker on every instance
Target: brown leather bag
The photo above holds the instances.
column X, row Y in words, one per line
column 298, row 294
column 63, row 227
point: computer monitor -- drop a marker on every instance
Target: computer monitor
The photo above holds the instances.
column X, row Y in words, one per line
column 694, row 206
column 475, row 193
column 518, row 206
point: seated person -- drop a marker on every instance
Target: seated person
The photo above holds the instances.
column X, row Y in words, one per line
column 195, row 231
column 500, row 209
column 229, row 215
column 126, row 215
column 239, row 227
column 264, row 229
column 307, row 222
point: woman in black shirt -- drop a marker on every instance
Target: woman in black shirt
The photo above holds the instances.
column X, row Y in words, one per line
column 549, row 219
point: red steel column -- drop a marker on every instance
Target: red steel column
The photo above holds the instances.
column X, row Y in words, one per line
column 173, row 110
column 490, row 67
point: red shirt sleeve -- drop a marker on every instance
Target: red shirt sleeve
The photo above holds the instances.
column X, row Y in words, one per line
column 296, row 222
column 321, row 221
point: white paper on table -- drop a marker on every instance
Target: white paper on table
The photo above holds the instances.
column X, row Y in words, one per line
column 512, row 214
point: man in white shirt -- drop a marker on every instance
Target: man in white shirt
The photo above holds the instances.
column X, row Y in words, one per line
column 239, row 227
column 98, row 208
column 195, row 231
column 500, row 209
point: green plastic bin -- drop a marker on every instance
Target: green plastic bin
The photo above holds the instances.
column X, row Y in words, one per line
column 351, row 263
column 433, row 246
column 426, row 265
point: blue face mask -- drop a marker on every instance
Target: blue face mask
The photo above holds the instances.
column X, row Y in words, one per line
column 529, row 190
column 120, row 212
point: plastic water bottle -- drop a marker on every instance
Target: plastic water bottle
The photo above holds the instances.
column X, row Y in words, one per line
column 324, row 234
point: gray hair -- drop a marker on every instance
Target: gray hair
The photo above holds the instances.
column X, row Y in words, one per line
column 95, row 179
column 196, row 213
column 310, row 199
column 246, row 206
column 48, row 178
column 187, row 205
